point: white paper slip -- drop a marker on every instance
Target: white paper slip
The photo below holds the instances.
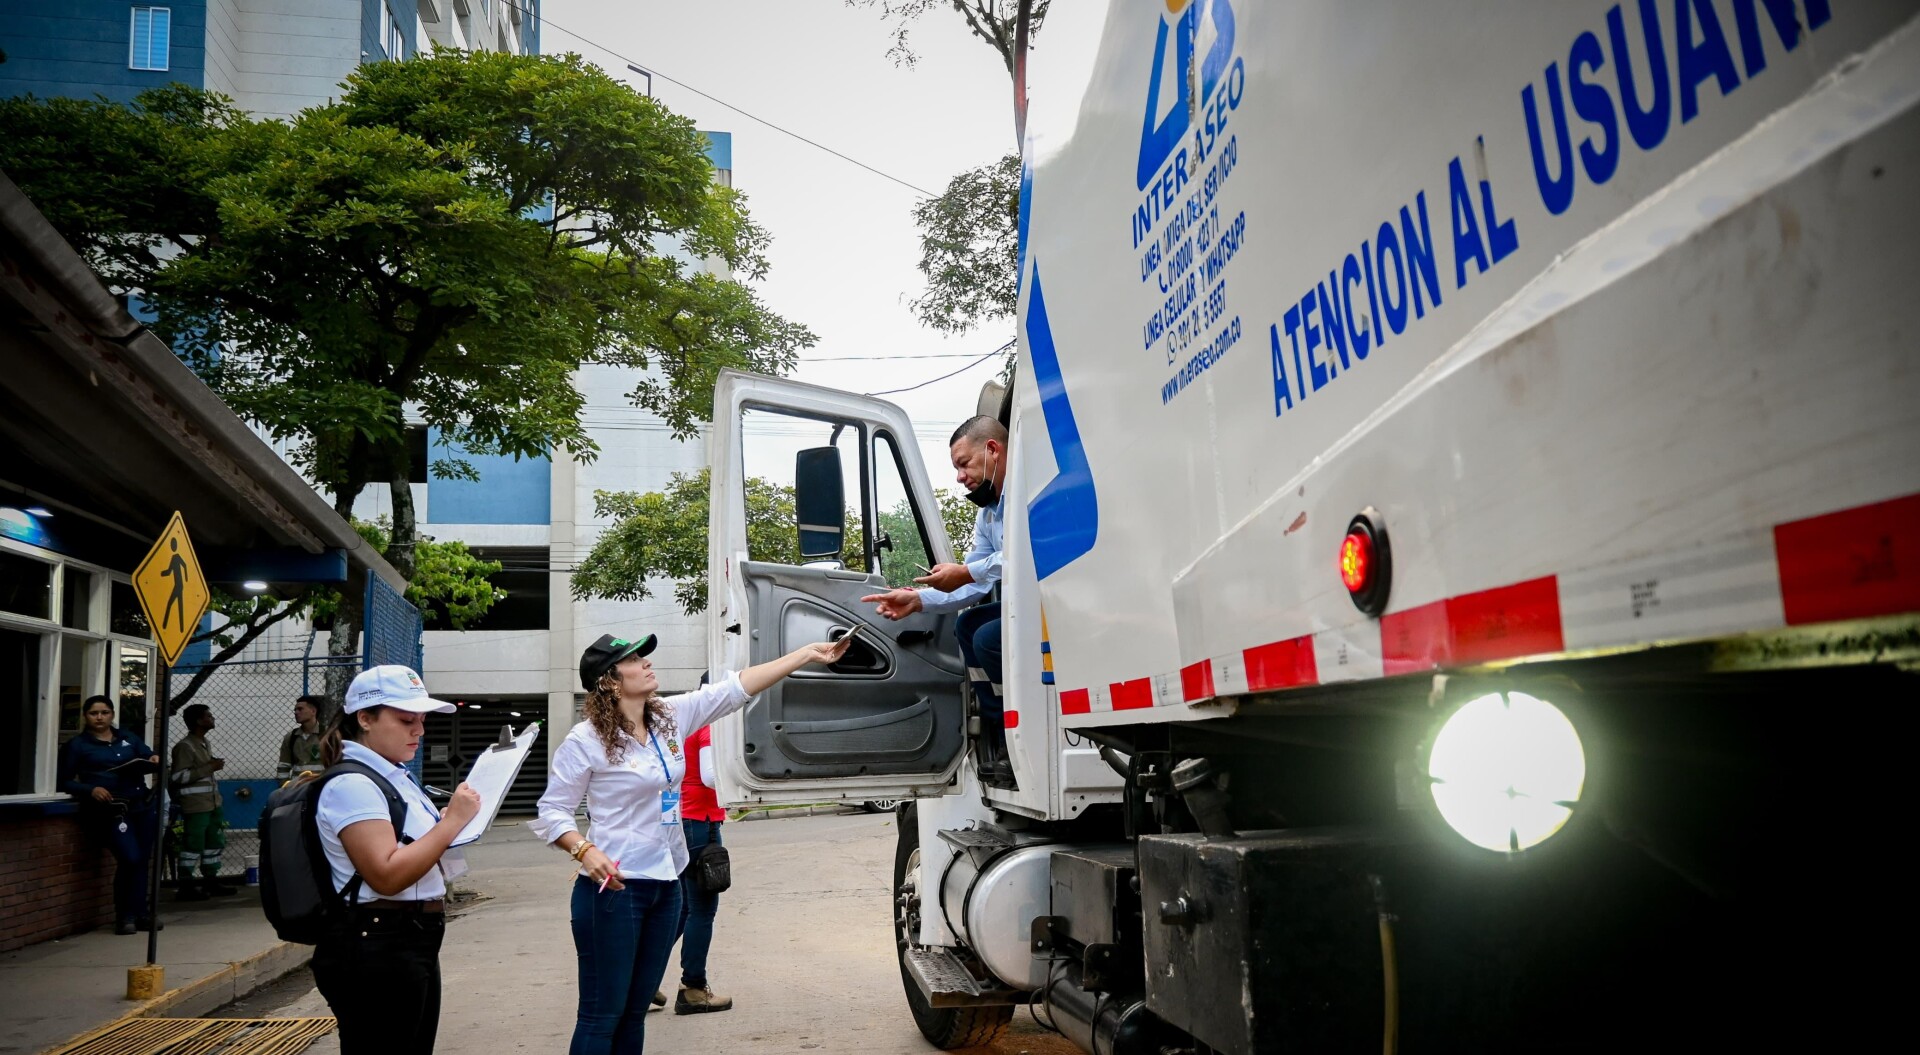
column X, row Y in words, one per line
column 492, row 775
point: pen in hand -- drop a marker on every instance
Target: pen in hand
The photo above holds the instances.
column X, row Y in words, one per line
column 612, row 870
column 437, row 793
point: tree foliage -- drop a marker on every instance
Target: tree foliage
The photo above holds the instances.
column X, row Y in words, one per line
column 456, row 236
column 663, row 535
column 993, row 21
column 969, row 234
column 969, row 243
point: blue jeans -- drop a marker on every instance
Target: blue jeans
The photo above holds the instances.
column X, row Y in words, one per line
column 623, row 939
column 697, row 908
column 979, row 632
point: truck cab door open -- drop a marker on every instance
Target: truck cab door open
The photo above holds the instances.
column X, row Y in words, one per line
column 789, row 567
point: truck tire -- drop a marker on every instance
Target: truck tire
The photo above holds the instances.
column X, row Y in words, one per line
column 946, row 1028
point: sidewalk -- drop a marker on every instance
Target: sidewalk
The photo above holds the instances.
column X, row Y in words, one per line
column 213, row 951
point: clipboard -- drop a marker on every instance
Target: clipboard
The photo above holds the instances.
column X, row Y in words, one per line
column 492, row 775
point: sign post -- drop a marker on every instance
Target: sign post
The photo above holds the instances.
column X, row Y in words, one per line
column 174, row 595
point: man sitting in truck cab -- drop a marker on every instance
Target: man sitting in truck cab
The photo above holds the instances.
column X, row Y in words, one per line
column 979, row 452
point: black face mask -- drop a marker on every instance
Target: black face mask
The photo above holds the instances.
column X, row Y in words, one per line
column 985, row 495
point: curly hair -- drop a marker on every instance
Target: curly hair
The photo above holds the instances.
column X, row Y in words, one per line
column 603, row 710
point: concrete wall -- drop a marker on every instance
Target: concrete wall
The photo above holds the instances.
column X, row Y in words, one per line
column 278, row 57
column 486, row 663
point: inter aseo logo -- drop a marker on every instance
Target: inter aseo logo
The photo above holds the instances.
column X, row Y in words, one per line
column 1189, row 22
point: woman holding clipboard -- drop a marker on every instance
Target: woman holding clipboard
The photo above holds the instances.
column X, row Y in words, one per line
column 380, row 970
column 627, row 760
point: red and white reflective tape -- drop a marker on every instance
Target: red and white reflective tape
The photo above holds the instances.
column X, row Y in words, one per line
column 1853, row 564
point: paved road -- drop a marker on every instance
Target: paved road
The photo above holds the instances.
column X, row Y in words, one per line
column 803, row 943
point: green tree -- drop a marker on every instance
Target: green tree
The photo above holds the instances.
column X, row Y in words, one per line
column 969, row 233
column 454, row 238
column 663, row 535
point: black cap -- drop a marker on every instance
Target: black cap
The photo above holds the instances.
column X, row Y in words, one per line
column 601, row 656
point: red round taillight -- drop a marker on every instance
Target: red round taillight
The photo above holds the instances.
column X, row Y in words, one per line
column 1366, row 564
column 1356, row 561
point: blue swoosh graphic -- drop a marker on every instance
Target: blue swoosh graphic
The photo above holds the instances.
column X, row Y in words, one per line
column 1064, row 519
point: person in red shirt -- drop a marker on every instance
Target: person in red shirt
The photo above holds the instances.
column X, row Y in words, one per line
column 700, row 817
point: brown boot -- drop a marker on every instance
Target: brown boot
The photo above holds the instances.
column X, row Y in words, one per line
column 700, row 1001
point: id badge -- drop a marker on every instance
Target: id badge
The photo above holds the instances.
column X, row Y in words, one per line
column 670, row 806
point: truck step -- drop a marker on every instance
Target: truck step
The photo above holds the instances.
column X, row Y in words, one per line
column 946, row 981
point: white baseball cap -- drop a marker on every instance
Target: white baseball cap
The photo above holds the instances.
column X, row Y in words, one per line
column 392, row 685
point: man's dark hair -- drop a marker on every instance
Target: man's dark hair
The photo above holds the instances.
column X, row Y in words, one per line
column 980, row 428
column 193, row 712
column 311, row 700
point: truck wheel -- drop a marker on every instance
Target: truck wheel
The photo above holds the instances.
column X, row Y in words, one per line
column 945, row 1028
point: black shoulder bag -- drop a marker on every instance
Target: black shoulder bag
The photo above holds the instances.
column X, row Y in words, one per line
column 713, row 869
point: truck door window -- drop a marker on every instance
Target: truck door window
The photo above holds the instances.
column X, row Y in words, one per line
column 770, row 442
column 902, row 542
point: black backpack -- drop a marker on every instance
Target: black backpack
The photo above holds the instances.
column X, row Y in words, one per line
column 296, row 882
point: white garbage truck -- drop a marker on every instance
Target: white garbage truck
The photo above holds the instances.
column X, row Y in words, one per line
column 1461, row 580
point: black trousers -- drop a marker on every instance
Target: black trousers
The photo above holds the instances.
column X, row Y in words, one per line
column 128, row 836
column 381, row 977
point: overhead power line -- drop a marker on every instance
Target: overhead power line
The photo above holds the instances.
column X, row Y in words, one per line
column 997, row 351
column 650, row 71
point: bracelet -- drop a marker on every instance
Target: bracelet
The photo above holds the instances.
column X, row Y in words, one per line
column 580, row 849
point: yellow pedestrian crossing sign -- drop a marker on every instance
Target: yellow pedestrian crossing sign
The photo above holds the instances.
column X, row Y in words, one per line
column 172, row 590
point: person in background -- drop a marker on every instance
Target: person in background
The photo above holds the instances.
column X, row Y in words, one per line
column 380, row 970
column 194, row 789
column 627, row 760
column 300, row 748
column 701, row 817
column 105, row 767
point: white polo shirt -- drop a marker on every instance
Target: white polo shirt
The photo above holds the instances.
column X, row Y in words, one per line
column 352, row 798
column 624, row 799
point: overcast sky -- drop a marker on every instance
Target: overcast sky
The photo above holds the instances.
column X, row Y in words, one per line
column 844, row 246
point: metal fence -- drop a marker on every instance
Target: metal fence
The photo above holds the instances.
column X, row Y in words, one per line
column 252, row 706
column 252, row 699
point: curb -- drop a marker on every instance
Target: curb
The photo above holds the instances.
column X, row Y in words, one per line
column 222, row 987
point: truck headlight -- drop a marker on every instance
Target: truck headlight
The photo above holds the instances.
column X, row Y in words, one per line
column 1506, row 770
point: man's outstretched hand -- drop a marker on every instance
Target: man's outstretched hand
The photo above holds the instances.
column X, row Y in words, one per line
column 895, row 604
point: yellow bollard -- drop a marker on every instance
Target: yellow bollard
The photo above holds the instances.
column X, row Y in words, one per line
column 145, row 982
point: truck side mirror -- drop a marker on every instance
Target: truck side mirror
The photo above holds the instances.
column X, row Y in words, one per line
column 819, row 502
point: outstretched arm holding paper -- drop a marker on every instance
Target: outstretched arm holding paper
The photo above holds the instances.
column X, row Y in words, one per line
column 627, row 760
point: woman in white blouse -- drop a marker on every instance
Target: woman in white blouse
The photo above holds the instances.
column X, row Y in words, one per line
column 627, row 760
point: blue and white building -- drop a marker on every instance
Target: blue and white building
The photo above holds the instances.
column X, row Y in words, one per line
column 272, row 57
column 275, row 58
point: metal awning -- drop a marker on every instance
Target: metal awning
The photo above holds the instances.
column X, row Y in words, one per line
column 100, row 419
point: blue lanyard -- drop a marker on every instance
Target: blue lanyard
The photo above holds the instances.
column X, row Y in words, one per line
column 654, row 741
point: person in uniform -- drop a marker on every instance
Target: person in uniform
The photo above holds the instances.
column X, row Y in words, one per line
column 198, row 795
column 627, row 759
column 105, row 767
column 300, row 748
column 379, row 969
